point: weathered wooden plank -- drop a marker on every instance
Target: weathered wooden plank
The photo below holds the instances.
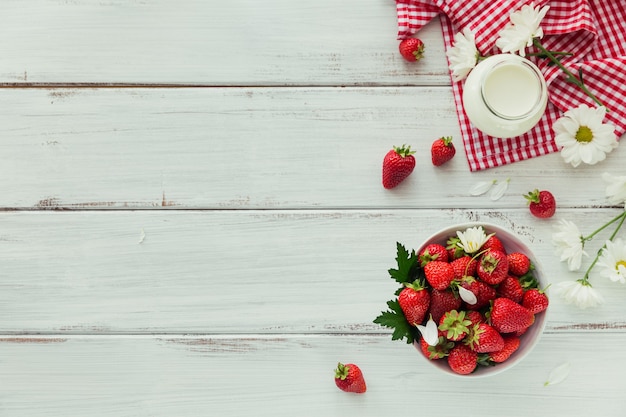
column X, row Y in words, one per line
column 238, row 42
column 250, row 148
column 287, row 375
column 268, row 271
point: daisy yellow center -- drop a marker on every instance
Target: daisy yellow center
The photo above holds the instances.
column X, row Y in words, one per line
column 622, row 263
column 584, row 134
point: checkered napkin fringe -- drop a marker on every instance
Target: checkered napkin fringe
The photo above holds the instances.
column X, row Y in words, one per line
column 593, row 30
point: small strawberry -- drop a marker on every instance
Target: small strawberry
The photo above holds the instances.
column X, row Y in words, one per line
column 454, row 248
column 462, row 359
column 411, row 49
column 433, row 252
column 439, row 274
column 464, row 266
column 414, row 301
column 493, row 267
column 541, row 203
column 439, row 351
column 442, row 150
column 519, row 264
column 442, row 301
column 511, row 288
column 493, row 242
column 484, row 293
column 349, row 378
column 474, row 317
column 535, row 300
column 511, row 343
column 507, row 316
column 397, row 166
column 483, row 339
column 454, row 325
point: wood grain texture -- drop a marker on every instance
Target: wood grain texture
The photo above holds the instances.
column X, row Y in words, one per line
column 211, row 42
column 268, row 271
column 251, row 148
column 290, row 375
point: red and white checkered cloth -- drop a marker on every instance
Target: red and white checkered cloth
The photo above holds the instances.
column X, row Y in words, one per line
column 593, row 30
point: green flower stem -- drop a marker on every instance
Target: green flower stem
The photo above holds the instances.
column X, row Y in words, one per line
column 570, row 77
column 621, row 217
column 616, row 218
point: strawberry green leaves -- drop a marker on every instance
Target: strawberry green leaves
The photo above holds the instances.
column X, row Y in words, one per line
column 408, row 266
column 407, row 271
column 394, row 319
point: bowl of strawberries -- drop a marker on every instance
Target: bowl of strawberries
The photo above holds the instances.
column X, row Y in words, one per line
column 472, row 299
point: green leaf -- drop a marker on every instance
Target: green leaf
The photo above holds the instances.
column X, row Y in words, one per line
column 408, row 265
column 394, row 319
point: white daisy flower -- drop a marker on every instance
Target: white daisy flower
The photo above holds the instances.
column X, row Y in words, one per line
column 569, row 244
column 583, row 137
column 613, row 261
column 463, row 55
column 616, row 188
column 580, row 293
column 472, row 239
column 524, row 25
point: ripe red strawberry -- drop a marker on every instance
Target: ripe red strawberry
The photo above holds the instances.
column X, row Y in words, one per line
column 411, row 49
column 493, row 267
column 439, row 274
column 439, row 351
column 433, row 252
column 442, row 301
column 454, row 325
column 397, row 166
column 493, row 242
column 484, row 293
column 507, row 316
column 519, row 264
column 414, row 301
column 511, row 288
column 349, row 378
column 464, row 266
column 511, row 343
column 483, row 339
column 462, row 359
column 535, row 300
column 442, row 150
column 454, row 250
column 541, row 203
column 475, row 317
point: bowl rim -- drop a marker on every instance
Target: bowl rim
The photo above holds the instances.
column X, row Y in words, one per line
column 537, row 328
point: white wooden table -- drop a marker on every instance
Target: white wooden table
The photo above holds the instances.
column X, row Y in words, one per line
column 192, row 221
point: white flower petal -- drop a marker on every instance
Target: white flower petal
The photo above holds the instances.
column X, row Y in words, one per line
column 616, row 188
column 463, row 55
column 603, row 139
column 579, row 293
column 568, row 243
column 430, row 333
column 467, row 296
column 498, row 191
column 481, row 187
column 558, row 374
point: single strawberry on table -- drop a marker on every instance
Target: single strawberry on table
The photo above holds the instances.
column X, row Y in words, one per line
column 411, row 49
column 398, row 164
column 349, row 378
column 442, row 150
column 542, row 204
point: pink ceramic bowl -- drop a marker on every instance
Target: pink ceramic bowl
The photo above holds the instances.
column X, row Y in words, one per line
column 529, row 339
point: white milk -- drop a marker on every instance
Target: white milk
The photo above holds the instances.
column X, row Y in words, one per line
column 505, row 95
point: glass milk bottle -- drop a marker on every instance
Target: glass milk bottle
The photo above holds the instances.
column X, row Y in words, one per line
column 505, row 95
